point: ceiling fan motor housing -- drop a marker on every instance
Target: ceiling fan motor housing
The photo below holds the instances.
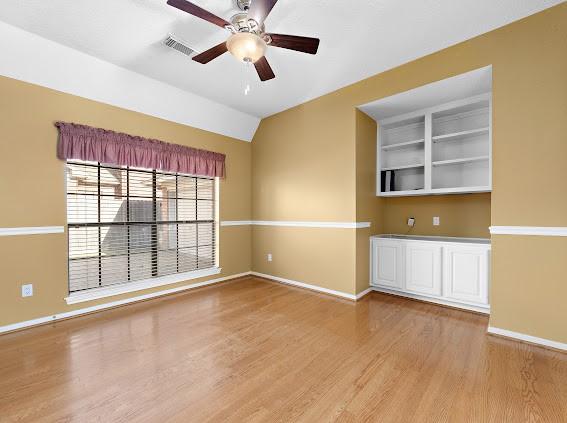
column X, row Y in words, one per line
column 243, row 5
column 241, row 23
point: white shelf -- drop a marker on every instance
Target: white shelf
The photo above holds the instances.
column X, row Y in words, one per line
column 460, row 161
column 412, row 166
column 402, row 193
column 459, row 190
column 460, row 135
column 403, row 145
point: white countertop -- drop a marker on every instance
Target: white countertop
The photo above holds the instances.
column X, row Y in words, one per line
column 484, row 241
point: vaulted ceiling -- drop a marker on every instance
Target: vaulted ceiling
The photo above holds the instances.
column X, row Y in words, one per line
column 359, row 38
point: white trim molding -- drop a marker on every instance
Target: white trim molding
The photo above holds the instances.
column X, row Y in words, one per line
column 529, row 230
column 298, row 224
column 363, row 293
column 527, row 338
column 236, row 223
column 125, row 288
column 306, row 286
column 99, row 307
column 32, row 230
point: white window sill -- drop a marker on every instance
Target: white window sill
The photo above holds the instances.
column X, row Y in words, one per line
column 109, row 291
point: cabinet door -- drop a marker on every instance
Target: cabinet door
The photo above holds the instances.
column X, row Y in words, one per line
column 387, row 264
column 423, row 268
column 465, row 273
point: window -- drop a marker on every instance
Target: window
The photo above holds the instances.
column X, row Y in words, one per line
column 127, row 224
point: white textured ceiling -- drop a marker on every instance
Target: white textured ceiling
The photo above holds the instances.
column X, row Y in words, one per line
column 359, row 38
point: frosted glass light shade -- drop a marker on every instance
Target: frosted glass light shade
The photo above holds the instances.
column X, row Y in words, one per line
column 246, row 46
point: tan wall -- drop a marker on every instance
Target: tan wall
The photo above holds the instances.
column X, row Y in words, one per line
column 460, row 215
column 32, row 183
column 369, row 207
column 320, row 256
column 531, row 287
column 312, row 150
column 301, row 172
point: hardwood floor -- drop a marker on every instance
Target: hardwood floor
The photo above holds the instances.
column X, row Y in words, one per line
column 255, row 351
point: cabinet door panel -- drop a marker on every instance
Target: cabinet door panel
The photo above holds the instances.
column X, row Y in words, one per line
column 423, row 268
column 388, row 264
column 465, row 274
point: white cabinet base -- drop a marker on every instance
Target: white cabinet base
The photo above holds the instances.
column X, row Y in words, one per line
column 443, row 270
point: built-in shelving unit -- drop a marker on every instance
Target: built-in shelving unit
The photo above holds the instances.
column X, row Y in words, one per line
column 439, row 150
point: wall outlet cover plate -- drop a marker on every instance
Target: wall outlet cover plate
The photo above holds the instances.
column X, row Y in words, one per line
column 27, row 290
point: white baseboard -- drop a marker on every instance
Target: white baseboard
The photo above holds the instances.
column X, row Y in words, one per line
column 66, row 315
column 483, row 310
column 527, row 338
column 363, row 293
column 306, row 286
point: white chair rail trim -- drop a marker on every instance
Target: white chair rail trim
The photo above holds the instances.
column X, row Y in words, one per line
column 32, row 230
column 529, row 230
column 298, row 224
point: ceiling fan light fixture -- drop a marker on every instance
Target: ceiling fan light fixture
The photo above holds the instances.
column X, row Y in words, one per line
column 246, row 46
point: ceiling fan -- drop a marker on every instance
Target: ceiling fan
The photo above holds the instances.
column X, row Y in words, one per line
column 248, row 40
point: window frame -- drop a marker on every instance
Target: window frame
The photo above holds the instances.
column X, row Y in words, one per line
column 156, row 280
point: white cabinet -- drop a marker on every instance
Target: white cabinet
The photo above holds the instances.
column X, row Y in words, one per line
column 465, row 273
column 423, row 267
column 451, row 271
column 390, row 255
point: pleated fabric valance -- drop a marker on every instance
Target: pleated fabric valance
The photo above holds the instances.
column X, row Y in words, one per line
column 101, row 145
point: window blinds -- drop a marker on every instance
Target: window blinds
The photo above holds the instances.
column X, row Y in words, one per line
column 129, row 224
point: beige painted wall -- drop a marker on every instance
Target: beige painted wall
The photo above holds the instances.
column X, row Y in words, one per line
column 530, row 290
column 32, row 183
column 320, row 256
column 305, row 163
column 460, row 215
column 369, row 207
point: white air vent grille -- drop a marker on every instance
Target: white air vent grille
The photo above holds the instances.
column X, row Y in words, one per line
column 178, row 45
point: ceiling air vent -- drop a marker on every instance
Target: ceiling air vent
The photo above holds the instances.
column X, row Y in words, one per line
column 178, row 45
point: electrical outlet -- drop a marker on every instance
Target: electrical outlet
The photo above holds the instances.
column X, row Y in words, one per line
column 269, row 256
column 436, row 221
column 411, row 222
column 27, row 290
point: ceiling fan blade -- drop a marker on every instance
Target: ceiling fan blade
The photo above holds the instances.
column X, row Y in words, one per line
column 264, row 69
column 260, row 9
column 295, row 42
column 210, row 54
column 197, row 11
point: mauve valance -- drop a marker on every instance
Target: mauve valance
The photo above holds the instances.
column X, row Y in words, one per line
column 101, row 145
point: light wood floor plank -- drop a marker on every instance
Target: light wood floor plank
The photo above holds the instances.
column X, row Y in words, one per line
column 257, row 351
